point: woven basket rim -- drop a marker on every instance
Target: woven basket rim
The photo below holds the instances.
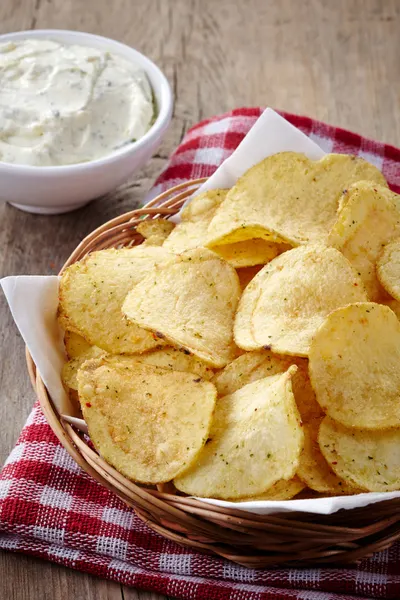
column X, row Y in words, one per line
column 294, row 538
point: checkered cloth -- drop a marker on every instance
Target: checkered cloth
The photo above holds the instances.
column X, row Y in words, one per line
column 51, row 509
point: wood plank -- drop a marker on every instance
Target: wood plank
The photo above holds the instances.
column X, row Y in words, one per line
column 28, row 578
column 335, row 61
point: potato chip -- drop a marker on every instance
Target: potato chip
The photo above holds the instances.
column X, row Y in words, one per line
column 395, row 306
column 249, row 367
column 304, row 394
column 354, row 366
column 75, row 344
column 255, row 441
column 177, row 360
column 368, row 220
column 166, row 357
column 313, row 469
column 388, row 268
column 191, row 232
column 92, row 292
column 246, row 274
column 281, row 490
column 250, row 252
column 256, row 365
column 148, row 422
column 369, row 460
column 155, row 231
column 70, row 369
column 289, row 298
column 190, row 302
column 203, row 205
column 288, row 198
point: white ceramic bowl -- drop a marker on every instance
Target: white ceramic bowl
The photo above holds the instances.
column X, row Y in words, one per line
column 58, row 189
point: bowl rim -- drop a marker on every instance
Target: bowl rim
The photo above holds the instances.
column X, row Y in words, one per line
column 158, row 127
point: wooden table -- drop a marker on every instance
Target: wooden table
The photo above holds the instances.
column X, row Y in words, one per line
column 335, row 60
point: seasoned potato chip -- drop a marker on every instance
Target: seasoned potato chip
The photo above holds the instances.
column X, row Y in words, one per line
column 354, row 366
column 191, row 302
column 288, row 198
column 70, row 369
column 256, row 365
column 203, row 205
column 281, row 490
column 168, row 358
column 368, row 220
column 246, row 274
column 313, row 468
column 255, row 441
column 75, row 344
column 177, row 360
column 289, row 298
column 155, row 227
column 148, row 422
column 92, row 292
column 388, row 268
column 369, row 460
column 191, row 232
column 155, row 231
column 249, row 367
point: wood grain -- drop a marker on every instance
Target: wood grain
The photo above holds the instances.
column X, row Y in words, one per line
column 334, row 60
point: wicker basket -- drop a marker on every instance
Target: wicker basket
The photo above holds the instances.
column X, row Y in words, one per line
column 295, row 539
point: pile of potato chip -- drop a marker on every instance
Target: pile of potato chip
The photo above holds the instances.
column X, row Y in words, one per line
column 252, row 351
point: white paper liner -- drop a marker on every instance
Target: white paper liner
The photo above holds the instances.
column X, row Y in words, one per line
column 33, row 302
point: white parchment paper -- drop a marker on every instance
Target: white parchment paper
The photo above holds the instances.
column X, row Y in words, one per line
column 33, row 302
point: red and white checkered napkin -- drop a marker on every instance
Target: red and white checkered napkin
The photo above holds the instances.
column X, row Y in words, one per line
column 51, row 509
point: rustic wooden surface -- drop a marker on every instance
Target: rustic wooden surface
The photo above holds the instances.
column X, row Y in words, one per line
column 336, row 60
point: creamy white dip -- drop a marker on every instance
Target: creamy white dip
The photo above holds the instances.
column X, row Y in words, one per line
column 61, row 104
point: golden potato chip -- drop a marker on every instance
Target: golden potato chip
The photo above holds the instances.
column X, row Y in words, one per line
column 255, row 441
column 158, row 227
column 246, row 274
column 250, row 252
column 252, row 366
column 177, row 360
column 203, row 205
column 354, row 366
column 369, row 460
column 313, row 469
column 249, row 367
column 155, row 231
column 288, row 198
column 190, row 302
column 289, row 298
column 166, row 357
column 148, row 422
column 191, row 232
column 75, row 344
column 92, row 292
column 394, row 305
column 304, row 394
column 70, row 369
column 281, row 490
column 368, row 220
column 388, row 268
